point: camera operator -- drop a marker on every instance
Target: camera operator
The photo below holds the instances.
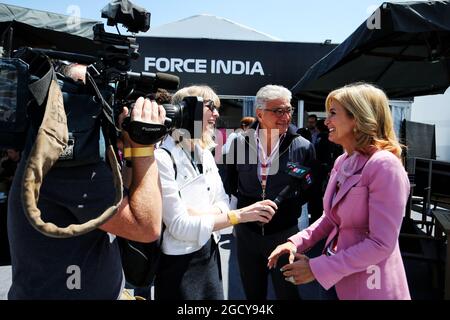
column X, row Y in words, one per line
column 86, row 266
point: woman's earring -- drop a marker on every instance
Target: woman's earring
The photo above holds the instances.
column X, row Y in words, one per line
column 354, row 130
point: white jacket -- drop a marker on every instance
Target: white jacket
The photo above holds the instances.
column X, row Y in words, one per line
column 184, row 233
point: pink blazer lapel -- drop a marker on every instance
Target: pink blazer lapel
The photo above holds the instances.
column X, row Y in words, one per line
column 327, row 199
column 351, row 180
column 346, row 186
column 329, row 192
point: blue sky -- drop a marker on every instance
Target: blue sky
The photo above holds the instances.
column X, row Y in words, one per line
column 288, row 20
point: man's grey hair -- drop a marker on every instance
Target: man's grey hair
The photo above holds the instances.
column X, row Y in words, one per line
column 271, row 92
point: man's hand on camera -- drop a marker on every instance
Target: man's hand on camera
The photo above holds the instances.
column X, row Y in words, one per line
column 146, row 111
column 139, row 215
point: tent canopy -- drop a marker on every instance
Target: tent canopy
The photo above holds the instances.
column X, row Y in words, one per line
column 404, row 48
column 206, row 26
column 41, row 29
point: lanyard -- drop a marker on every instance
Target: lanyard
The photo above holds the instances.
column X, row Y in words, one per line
column 198, row 166
column 265, row 161
column 264, row 164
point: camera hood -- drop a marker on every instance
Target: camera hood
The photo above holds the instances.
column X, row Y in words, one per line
column 133, row 17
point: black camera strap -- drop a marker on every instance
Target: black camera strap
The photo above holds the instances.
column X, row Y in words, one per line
column 40, row 88
column 196, row 161
column 108, row 111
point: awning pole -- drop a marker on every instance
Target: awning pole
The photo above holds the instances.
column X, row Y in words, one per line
column 300, row 113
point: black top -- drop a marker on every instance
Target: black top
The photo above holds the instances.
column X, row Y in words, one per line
column 242, row 178
column 82, row 267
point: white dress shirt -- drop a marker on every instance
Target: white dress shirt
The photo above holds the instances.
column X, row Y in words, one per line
column 185, row 233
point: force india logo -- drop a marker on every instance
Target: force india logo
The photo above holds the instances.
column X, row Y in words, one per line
column 203, row 66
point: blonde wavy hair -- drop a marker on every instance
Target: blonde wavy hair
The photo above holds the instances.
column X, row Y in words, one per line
column 207, row 93
column 369, row 106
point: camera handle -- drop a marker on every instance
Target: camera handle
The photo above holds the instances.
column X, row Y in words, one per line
column 144, row 133
column 52, row 138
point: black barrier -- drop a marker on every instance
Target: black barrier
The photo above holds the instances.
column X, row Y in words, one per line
column 419, row 138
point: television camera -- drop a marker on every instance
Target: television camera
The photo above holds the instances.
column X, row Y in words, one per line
column 64, row 117
column 109, row 78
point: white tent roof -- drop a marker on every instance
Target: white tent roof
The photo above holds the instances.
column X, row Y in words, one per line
column 209, row 27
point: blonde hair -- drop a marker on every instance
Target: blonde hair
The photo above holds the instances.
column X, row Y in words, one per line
column 207, row 93
column 369, row 106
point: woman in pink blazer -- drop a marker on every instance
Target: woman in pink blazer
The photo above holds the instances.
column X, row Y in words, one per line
column 363, row 205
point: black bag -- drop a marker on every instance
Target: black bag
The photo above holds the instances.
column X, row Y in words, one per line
column 140, row 260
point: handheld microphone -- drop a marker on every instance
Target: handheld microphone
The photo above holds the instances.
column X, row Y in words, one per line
column 300, row 178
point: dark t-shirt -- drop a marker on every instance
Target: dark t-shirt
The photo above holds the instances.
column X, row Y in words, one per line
column 9, row 168
column 82, row 267
column 242, row 178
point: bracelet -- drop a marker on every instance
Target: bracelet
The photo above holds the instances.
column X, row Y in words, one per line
column 138, row 152
column 232, row 217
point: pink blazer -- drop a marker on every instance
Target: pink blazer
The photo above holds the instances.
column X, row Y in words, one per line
column 365, row 215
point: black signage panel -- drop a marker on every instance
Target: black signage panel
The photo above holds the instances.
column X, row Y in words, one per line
column 230, row 67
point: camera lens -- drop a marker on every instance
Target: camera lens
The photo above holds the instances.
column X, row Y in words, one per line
column 185, row 114
column 174, row 115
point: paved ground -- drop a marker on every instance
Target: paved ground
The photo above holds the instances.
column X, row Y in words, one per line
column 5, row 281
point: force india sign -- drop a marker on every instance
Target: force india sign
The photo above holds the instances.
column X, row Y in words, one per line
column 236, row 67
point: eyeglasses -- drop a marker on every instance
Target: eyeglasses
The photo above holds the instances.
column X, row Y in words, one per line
column 279, row 112
column 210, row 105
